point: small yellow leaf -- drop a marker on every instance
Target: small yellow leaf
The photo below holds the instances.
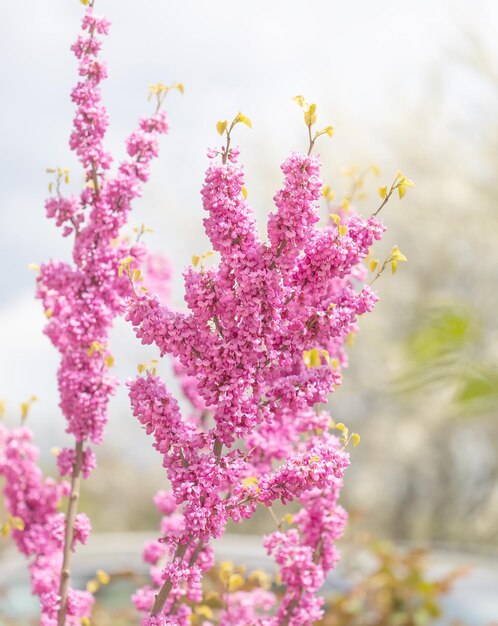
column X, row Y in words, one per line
column 250, row 481
column 92, row 585
column 373, row 264
column 16, row 522
column 103, row 577
column 299, row 100
column 355, row 438
column 109, row 361
column 34, row 267
column 383, row 192
column 340, row 426
column 397, row 255
column 55, row 451
column 329, row 130
column 221, row 127
column 401, row 191
column 375, row 169
column 243, row 191
column 289, row 518
column 141, row 367
column 195, row 260
column 394, row 266
column 243, row 119
column 335, row 218
column 85, row 621
column 343, row 230
column 180, row 87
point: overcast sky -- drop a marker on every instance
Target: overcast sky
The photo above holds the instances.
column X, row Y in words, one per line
column 359, row 60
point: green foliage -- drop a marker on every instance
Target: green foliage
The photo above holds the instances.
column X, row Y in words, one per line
column 396, row 592
column 447, row 348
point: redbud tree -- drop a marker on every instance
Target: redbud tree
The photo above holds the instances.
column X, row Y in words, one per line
column 258, row 351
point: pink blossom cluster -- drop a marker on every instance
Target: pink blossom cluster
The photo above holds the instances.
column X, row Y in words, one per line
column 81, row 300
column 256, row 436
column 33, row 501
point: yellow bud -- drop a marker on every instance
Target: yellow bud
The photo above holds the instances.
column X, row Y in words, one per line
column 289, row 518
column 141, row 367
column 373, row 264
column 92, row 586
column 334, row 363
column 335, row 218
column 204, row 611
column 401, row 191
column 394, row 266
column 109, row 361
column 299, row 100
column 221, row 127
column 226, row 569
column 180, row 87
column 5, row 530
column 343, row 231
column 314, row 459
column 55, row 451
column 243, row 191
column 340, row 426
column 235, row 582
column 355, row 438
column 2, row 408
column 329, row 130
column 195, row 260
column 34, row 267
column 250, row 481
column 24, row 409
column 261, row 578
column 85, row 621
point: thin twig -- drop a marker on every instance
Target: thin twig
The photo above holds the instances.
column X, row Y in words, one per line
column 69, row 533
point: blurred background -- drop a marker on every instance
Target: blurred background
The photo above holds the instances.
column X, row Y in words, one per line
column 410, row 86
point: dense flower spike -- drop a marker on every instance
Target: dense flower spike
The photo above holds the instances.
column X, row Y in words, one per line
column 261, row 345
column 81, row 300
